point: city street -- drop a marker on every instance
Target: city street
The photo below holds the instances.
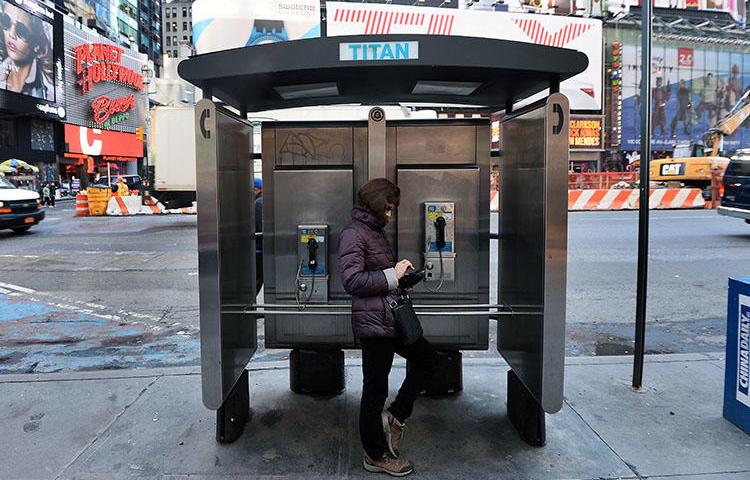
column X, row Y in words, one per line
column 122, row 292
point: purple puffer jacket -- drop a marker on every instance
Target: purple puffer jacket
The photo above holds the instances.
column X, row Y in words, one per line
column 366, row 264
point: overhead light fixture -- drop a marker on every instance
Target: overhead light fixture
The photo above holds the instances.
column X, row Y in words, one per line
column 428, row 87
column 308, row 90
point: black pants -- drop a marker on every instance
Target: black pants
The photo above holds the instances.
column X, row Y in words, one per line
column 377, row 358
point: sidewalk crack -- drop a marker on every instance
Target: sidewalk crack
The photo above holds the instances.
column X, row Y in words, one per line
column 106, row 429
column 629, row 465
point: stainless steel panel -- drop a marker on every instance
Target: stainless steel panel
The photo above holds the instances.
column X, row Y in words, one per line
column 318, row 146
column 437, row 144
column 376, row 147
column 226, row 249
column 533, row 249
column 304, row 197
column 463, row 187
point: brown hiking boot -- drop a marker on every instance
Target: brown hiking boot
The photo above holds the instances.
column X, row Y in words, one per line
column 396, row 467
column 394, row 432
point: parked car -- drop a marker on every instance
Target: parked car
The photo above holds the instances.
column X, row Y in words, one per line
column 736, row 199
column 19, row 209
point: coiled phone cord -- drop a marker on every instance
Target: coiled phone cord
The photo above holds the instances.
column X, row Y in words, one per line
column 298, row 285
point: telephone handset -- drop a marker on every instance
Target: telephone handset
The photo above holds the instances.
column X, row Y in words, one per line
column 440, row 244
column 312, row 255
column 440, row 233
column 311, row 281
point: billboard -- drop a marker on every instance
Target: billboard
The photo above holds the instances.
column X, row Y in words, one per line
column 93, row 141
column 31, row 67
column 584, row 90
column 585, row 132
column 693, row 87
column 735, row 8
column 241, row 23
column 103, row 82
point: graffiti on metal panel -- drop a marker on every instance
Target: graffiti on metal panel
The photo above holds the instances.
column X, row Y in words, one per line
column 303, row 148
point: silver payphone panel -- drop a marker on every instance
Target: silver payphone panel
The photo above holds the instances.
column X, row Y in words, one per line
column 440, row 242
column 312, row 258
column 533, row 248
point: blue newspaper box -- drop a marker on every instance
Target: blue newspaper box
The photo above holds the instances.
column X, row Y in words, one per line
column 737, row 371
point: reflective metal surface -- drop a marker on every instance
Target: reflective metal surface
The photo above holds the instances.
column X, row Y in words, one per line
column 533, row 251
column 471, row 284
column 225, row 236
column 300, row 189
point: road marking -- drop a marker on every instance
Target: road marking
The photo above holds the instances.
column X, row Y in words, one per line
column 92, row 308
column 19, row 256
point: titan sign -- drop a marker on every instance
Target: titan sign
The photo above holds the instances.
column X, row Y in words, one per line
column 378, row 51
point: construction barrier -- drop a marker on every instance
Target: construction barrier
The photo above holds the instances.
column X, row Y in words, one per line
column 82, row 204
column 628, row 199
column 98, row 198
column 133, row 205
column 602, row 180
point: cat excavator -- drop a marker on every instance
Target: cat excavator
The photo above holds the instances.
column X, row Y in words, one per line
column 694, row 166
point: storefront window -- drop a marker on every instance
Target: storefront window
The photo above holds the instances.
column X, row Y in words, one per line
column 7, row 134
column 42, row 135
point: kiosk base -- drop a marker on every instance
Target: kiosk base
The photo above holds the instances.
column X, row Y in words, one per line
column 449, row 378
column 232, row 415
column 317, row 372
column 525, row 412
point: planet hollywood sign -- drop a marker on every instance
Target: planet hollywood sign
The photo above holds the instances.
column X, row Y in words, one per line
column 101, row 62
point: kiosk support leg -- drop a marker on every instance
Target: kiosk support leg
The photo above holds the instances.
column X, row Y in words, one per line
column 317, row 372
column 525, row 412
column 449, row 377
column 232, row 415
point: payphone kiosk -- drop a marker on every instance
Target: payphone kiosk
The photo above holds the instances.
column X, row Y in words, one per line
column 311, row 172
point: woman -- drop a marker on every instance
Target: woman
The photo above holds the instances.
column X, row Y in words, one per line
column 27, row 64
column 369, row 273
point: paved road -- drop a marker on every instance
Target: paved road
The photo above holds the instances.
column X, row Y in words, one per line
column 141, row 272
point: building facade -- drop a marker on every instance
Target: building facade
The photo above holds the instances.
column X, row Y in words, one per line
column 107, row 103
column 697, row 76
column 130, row 23
column 177, row 28
column 32, row 107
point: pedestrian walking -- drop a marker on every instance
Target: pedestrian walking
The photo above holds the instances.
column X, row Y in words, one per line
column 369, row 273
column 52, row 193
column 45, row 195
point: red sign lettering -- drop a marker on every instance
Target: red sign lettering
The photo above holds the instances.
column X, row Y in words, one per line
column 100, row 62
column 104, row 107
column 685, row 57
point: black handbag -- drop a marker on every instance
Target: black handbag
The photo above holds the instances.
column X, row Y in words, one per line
column 407, row 323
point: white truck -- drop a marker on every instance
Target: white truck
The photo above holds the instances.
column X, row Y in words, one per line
column 171, row 150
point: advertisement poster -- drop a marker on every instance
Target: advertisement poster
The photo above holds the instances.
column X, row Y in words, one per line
column 103, row 82
column 584, row 90
column 31, row 66
column 241, row 23
column 692, row 89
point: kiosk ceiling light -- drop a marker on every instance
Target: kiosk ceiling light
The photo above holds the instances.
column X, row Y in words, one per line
column 445, row 88
column 309, row 90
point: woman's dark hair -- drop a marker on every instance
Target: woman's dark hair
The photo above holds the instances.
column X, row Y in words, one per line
column 375, row 195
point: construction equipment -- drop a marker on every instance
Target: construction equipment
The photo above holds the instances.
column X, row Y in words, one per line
column 693, row 166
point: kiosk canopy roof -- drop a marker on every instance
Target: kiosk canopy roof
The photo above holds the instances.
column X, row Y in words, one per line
column 381, row 70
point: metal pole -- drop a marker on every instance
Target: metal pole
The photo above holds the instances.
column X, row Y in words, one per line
column 645, row 163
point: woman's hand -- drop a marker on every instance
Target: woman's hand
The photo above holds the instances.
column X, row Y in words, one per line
column 401, row 268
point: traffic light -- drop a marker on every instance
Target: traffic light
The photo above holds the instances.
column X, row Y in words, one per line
column 139, row 134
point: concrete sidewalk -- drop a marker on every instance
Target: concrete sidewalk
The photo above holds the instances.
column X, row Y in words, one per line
column 152, row 424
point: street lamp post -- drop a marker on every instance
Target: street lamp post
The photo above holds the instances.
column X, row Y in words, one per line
column 148, row 75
